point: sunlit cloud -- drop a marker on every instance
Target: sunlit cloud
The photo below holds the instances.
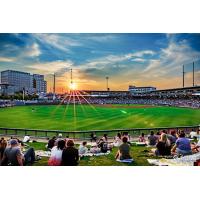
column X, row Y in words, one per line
column 136, row 59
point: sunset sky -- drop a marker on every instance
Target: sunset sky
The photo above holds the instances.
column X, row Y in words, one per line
column 128, row 59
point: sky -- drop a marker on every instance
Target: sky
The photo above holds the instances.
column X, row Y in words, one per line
column 140, row 59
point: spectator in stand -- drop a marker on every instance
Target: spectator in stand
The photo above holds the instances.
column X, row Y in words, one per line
column 142, row 138
column 152, row 139
column 3, row 144
column 163, row 147
column 124, row 150
column 93, row 137
column 83, row 148
column 56, row 154
column 182, row 145
column 193, row 134
column 14, row 156
column 51, row 143
column 70, row 155
column 172, row 137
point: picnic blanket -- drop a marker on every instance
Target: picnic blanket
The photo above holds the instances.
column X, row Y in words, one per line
column 95, row 154
column 182, row 161
column 125, row 160
column 42, row 153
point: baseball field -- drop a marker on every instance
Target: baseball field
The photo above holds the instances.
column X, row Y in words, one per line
column 96, row 117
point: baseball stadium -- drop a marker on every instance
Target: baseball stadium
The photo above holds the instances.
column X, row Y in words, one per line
column 96, row 126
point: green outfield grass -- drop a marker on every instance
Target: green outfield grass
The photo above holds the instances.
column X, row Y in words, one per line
column 88, row 117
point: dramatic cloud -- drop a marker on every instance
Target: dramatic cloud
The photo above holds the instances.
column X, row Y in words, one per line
column 138, row 59
column 6, row 59
column 31, row 51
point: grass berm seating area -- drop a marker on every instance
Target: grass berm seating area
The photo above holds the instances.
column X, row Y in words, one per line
column 138, row 153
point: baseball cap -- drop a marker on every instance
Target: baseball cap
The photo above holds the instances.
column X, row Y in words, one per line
column 13, row 142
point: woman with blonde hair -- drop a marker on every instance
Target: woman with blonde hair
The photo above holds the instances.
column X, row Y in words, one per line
column 3, row 144
column 163, row 147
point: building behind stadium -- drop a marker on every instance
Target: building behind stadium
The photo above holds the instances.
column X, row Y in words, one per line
column 16, row 81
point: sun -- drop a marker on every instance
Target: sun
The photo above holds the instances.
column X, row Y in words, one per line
column 72, row 86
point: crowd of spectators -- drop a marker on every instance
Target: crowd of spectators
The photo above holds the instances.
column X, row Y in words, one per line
column 187, row 101
column 64, row 152
column 172, row 143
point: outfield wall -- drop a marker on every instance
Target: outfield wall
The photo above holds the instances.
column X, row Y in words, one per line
column 85, row 135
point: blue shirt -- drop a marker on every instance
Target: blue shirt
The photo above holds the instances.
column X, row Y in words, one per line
column 183, row 144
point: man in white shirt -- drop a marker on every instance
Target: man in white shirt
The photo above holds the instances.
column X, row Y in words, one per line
column 26, row 138
column 193, row 134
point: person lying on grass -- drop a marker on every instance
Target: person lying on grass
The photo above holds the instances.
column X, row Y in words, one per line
column 124, row 150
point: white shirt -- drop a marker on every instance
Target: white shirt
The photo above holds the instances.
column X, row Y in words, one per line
column 82, row 149
column 56, row 153
column 26, row 138
column 193, row 134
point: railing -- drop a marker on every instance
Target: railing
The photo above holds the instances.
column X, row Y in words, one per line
column 84, row 135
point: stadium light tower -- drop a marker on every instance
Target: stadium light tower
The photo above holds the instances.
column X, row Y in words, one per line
column 71, row 76
column 183, row 77
column 72, row 84
column 193, row 74
column 107, row 78
column 54, row 86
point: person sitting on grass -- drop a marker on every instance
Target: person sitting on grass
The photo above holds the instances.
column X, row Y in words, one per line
column 152, row 139
column 103, row 146
column 124, row 150
column 172, row 137
column 82, row 148
column 125, row 134
column 14, row 156
column 105, row 138
column 3, row 145
column 56, row 154
column 117, row 140
column 95, row 149
column 142, row 138
column 182, row 146
column 70, row 155
column 93, row 137
column 51, row 143
column 193, row 134
column 60, row 137
column 163, row 147
column 196, row 147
